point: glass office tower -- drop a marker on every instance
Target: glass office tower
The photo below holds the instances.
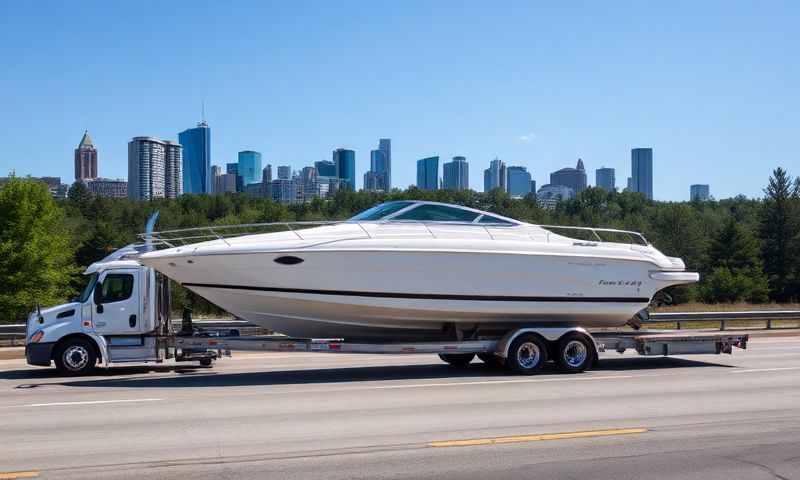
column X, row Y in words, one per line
column 455, row 174
column 519, row 181
column 196, row 163
column 249, row 167
column 642, row 171
column 428, row 173
column 345, row 161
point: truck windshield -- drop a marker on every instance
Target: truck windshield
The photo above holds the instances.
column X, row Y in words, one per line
column 89, row 287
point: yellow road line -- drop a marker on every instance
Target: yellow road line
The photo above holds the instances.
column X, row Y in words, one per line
column 15, row 475
column 536, row 438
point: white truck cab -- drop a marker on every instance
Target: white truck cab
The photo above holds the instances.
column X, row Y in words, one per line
column 121, row 316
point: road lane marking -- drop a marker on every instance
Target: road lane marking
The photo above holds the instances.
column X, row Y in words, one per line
column 755, row 370
column 494, row 382
column 536, row 438
column 15, row 475
column 91, row 402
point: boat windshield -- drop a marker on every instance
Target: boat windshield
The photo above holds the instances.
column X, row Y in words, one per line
column 437, row 213
column 380, row 211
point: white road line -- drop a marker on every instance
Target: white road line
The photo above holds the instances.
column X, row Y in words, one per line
column 91, row 402
column 494, row 382
column 755, row 370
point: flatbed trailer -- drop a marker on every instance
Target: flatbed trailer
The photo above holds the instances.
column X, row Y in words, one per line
column 501, row 351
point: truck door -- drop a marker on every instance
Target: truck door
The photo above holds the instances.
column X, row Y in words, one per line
column 116, row 303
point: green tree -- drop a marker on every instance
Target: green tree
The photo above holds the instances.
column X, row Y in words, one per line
column 736, row 272
column 36, row 249
column 780, row 231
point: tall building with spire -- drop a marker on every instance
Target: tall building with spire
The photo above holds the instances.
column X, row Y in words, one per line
column 196, row 143
column 85, row 159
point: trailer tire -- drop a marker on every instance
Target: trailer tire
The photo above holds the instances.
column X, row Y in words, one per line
column 527, row 354
column 75, row 356
column 206, row 362
column 459, row 360
column 575, row 353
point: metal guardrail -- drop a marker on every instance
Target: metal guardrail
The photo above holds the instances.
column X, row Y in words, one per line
column 767, row 316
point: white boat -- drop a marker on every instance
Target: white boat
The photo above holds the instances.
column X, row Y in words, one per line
column 419, row 269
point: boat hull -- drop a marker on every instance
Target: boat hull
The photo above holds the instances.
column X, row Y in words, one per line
column 398, row 293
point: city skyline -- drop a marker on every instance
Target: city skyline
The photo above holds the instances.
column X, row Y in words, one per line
column 350, row 77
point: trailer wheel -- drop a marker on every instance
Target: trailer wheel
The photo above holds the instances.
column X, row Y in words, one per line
column 75, row 356
column 491, row 360
column 575, row 353
column 527, row 354
column 206, row 362
column 459, row 360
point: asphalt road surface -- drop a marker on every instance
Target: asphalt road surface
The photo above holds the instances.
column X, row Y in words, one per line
column 329, row 416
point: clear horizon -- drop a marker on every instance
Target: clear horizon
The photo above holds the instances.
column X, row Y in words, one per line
column 710, row 87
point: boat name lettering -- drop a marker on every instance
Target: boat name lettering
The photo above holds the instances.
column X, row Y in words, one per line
column 622, row 283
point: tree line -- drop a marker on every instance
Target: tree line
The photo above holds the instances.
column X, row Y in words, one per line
column 747, row 250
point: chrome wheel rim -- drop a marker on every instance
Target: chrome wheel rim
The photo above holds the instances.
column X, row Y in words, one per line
column 528, row 355
column 575, row 353
column 76, row 357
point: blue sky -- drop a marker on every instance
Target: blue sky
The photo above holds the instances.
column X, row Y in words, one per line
column 711, row 86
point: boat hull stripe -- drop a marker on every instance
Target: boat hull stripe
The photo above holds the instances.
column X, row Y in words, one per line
column 425, row 296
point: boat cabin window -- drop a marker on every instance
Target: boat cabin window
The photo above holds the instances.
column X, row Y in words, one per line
column 379, row 211
column 494, row 220
column 437, row 213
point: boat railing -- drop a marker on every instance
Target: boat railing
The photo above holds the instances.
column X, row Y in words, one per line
column 186, row 236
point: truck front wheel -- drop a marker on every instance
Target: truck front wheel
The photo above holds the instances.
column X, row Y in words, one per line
column 75, row 357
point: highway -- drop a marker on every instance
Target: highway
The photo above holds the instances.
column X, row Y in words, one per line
column 330, row 416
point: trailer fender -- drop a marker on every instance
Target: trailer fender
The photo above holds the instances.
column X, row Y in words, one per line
column 551, row 334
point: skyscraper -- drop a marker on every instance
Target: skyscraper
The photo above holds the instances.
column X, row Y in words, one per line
column 605, row 178
column 385, row 146
column 266, row 174
column 216, row 172
column 699, row 192
column 85, row 159
column 377, row 178
column 574, row 178
column 284, row 172
column 428, row 173
column 154, row 169
column 196, row 143
column 325, row 168
column 345, row 161
column 495, row 176
column 519, row 181
column 455, row 174
column 250, row 167
column 642, row 171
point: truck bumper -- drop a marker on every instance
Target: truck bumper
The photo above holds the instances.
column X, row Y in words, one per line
column 39, row 353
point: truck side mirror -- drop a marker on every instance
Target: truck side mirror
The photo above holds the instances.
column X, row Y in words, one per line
column 98, row 296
